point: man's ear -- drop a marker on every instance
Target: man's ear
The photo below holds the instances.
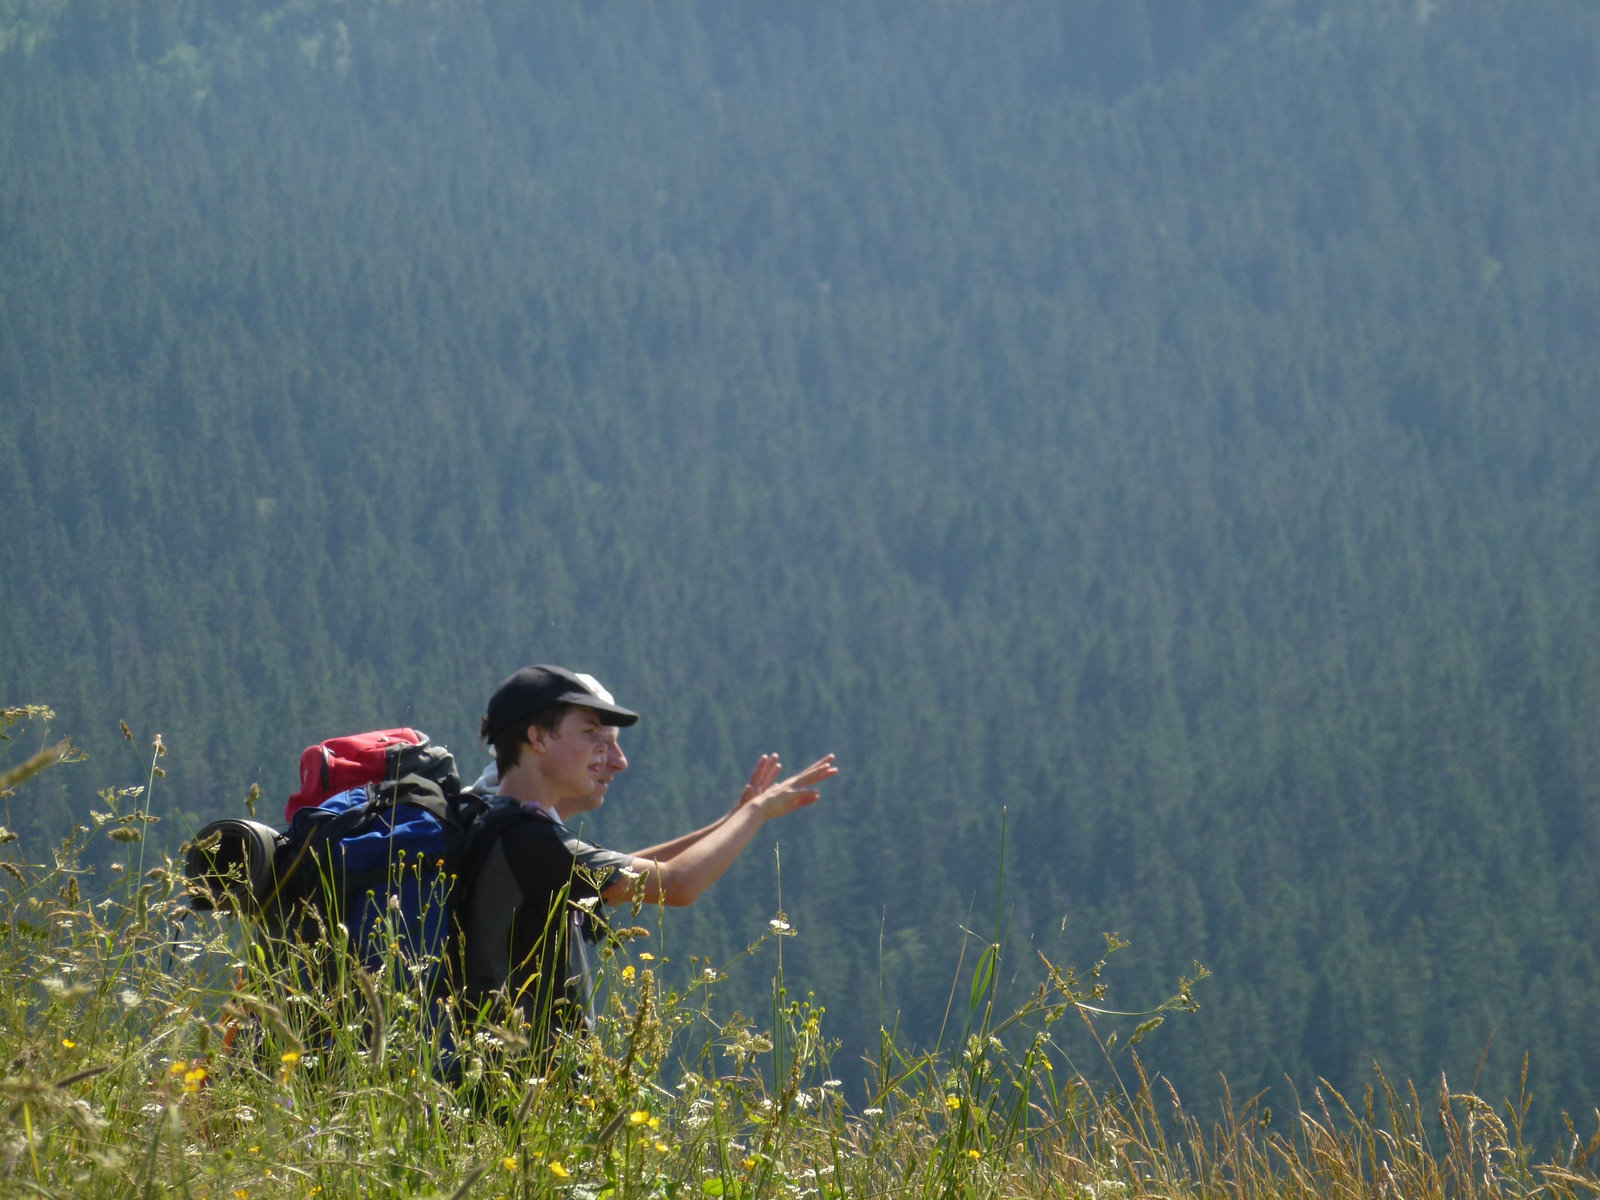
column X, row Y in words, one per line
column 539, row 738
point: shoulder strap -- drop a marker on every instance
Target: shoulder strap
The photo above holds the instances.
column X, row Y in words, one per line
column 487, row 826
column 491, row 822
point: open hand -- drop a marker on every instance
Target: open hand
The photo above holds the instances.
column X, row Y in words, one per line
column 797, row 791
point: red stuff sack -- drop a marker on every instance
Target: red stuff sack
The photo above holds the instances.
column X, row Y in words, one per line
column 342, row 763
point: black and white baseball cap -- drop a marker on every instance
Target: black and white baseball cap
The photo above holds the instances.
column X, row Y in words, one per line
column 534, row 689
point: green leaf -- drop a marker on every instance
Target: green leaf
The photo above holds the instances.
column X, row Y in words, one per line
column 983, row 975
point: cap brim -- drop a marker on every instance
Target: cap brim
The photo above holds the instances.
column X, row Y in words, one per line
column 614, row 715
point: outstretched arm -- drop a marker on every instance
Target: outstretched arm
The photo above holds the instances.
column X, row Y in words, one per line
column 681, row 879
column 761, row 778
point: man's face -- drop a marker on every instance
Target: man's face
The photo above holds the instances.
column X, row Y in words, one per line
column 602, row 758
column 576, row 755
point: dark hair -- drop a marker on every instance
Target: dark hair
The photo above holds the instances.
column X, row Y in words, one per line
column 508, row 744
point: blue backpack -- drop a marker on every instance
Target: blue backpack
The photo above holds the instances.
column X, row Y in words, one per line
column 386, row 860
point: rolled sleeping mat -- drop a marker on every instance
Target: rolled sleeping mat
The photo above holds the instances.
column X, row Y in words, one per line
column 230, row 861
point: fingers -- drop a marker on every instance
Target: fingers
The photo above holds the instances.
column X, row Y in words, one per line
column 768, row 769
column 800, row 790
column 761, row 777
column 797, row 791
column 822, row 769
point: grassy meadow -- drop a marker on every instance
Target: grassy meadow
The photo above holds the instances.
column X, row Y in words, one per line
column 152, row 1051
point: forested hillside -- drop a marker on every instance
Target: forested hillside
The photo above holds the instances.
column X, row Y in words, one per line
column 1164, row 431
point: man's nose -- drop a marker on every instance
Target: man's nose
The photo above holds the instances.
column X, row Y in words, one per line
column 617, row 760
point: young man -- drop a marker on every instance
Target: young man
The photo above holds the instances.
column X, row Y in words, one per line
column 555, row 744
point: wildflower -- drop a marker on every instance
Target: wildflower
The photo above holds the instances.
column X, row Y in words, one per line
column 193, row 1079
column 646, row 956
column 69, row 1043
column 289, row 1057
column 952, row 1102
column 660, row 1147
column 974, row 1154
column 627, row 972
column 638, row 1118
column 654, row 1123
column 872, row 1112
column 559, row 1171
column 509, row 1163
column 779, row 924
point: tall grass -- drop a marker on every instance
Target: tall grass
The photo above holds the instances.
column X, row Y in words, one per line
column 153, row 1051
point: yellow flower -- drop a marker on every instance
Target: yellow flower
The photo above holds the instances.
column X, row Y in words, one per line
column 193, row 1079
column 655, row 1123
column 289, row 1058
column 974, row 1154
column 509, row 1163
column 638, row 1118
column 646, row 956
column 559, row 1171
column 661, row 1147
column 241, row 1194
column 627, row 972
column 952, row 1102
column 178, row 1068
column 69, row 1043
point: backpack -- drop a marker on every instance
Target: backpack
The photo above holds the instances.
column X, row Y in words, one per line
column 385, row 855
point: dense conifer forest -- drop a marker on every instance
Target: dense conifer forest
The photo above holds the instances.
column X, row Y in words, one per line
column 1154, row 444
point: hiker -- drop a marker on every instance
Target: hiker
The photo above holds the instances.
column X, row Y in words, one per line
column 536, row 884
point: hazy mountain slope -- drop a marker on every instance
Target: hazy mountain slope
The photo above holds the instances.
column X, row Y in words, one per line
column 1190, row 452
